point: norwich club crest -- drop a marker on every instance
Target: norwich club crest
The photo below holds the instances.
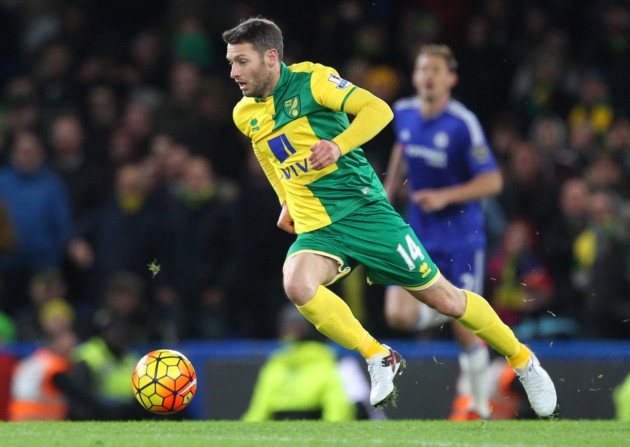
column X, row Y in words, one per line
column 292, row 107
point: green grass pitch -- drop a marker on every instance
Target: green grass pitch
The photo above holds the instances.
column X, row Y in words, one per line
column 530, row 433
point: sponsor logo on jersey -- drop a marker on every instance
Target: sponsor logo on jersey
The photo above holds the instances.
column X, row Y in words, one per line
column 295, row 169
column 441, row 140
column 341, row 83
column 254, row 124
column 425, row 269
column 281, row 147
column 432, row 157
column 292, row 107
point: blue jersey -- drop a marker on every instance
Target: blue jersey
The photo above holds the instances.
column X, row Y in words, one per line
column 446, row 150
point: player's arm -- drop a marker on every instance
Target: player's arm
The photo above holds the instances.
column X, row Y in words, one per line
column 485, row 184
column 395, row 172
column 371, row 115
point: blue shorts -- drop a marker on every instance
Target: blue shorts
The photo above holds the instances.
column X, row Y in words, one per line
column 465, row 269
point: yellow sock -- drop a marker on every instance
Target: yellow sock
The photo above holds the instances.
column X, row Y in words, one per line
column 520, row 359
column 333, row 318
column 481, row 318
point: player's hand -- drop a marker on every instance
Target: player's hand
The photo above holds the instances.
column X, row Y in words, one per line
column 285, row 221
column 324, row 153
column 430, row 200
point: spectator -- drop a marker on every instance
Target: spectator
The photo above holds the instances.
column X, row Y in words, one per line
column 213, row 135
column 199, row 264
column 603, row 173
column 301, row 380
column 504, row 136
column 484, row 71
column 8, row 331
column 39, row 206
column 583, row 142
column 608, row 50
column 72, row 162
column 137, row 123
column 621, row 400
column 22, row 112
column 548, row 134
column 98, row 383
column 617, row 142
column 48, row 309
column 149, row 62
column 601, row 275
column 119, row 235
column 35, row 395
column 54, row 78
column 101, row 115
column 593, row 104
column 191, row 42
column 519, row 287
column 125, row 298
column 527, row 193
column 540, row 85
column 556, row 248
column 176, row 115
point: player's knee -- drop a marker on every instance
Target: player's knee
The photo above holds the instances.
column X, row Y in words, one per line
column 444, row 298
column 400, row 321
column 298, row 290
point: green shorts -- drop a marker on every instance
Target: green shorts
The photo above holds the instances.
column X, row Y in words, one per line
column 377, row 237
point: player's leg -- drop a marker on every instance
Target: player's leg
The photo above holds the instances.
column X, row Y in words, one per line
column 306, row 275
column 397, row 257
column 474, row 313
column 405, row 313
column 474, row 360
column 466, row 270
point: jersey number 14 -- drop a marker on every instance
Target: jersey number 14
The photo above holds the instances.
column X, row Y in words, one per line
column 412, row 253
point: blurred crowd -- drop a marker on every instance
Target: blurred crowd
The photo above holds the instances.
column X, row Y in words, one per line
column 126, row 192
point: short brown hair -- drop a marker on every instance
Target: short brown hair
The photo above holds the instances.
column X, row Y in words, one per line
column 443, row 51
column 262, row 33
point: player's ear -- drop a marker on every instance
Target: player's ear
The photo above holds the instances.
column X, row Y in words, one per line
column 271, row 57
column 454, row 79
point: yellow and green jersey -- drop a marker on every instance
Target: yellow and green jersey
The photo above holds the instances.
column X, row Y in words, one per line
column 309, row 104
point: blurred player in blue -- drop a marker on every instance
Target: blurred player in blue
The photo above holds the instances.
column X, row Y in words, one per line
column 449, row 170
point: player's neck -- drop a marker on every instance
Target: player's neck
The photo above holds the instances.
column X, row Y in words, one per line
column 432, row 107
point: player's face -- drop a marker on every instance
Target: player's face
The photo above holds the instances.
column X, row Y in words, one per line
column 432, row 78
column 251, row 72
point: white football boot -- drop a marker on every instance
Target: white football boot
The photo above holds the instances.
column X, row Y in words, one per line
column 383, row 369
column 539, row 387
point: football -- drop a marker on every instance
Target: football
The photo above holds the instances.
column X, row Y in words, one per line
column 164, row 381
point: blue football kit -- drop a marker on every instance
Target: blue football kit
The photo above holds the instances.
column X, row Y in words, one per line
column 443, row 151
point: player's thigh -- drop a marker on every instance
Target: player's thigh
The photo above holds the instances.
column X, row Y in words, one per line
column 319, row 255
column 305, row 272
column 385, row 244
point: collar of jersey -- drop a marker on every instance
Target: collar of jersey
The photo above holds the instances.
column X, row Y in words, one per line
column 282, row 83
